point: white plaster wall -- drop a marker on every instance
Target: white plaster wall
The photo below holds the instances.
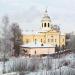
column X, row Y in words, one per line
column 41, row 51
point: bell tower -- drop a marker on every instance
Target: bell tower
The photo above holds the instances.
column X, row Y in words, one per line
column 46, row 22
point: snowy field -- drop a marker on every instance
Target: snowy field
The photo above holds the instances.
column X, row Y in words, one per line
column 40, row 66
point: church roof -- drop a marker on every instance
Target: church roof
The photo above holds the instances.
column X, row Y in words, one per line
column 46, row 17
column 30, row 33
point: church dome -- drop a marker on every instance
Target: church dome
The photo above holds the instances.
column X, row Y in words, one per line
column 47, row 17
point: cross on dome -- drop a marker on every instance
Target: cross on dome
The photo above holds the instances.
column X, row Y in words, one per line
column 46, row 16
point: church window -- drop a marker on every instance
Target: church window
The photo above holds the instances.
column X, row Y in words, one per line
column 48, row 40
column 35, row 51
column 35, row 41
column 63, row 40
column 44, row 24
column 55, row 40
column 48, row 24
column 41, row 40
column 42, row 44
column 27, row 40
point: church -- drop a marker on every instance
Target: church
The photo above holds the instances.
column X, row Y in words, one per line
column 44, row 41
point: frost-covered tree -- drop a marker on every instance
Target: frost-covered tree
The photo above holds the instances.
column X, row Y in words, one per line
column 5, row 41
column 68, row 37
column 16, row 38
column 71, row 43
column 6, row 36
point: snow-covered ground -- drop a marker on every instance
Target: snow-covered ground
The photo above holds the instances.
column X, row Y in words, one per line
column 12, row 73
column 40, row 66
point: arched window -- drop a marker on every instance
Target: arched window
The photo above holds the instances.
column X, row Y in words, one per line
column 35, row 51
column 55, row 40
column 63, row 40
column 44, row 24
column 35, row 41
column 41, row 40
column 42, row 44
column 48, row 40
column 48, row 24
column 27, row 41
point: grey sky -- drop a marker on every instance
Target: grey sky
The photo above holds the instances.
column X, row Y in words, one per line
column 28, row 13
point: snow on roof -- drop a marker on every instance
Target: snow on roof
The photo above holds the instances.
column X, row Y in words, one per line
column 36, row 44
column 29, row 32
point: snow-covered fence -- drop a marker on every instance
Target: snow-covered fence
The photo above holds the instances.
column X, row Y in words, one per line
column 28, row 64
column 53, row 66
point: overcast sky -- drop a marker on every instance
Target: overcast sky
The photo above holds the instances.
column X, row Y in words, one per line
column 28, row 13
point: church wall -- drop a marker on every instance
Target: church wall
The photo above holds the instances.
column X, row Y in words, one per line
column 32, row 38
column 28, row 38
column 62, row 40
column 40, row 38
column 52, row 38
column 45, row 38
